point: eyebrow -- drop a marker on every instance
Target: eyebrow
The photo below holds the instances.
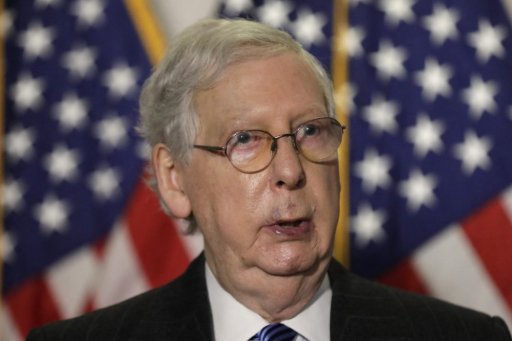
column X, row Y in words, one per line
column 245, row 120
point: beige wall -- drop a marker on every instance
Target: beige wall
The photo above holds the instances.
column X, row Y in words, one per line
column 174, row 15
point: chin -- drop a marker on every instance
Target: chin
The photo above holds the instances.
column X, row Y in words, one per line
column 291, row 263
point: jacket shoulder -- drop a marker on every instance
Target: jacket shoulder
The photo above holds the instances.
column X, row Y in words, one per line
column 409, row 315
column 162, row 310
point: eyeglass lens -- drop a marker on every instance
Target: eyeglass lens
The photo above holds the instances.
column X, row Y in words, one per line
column 253, row 150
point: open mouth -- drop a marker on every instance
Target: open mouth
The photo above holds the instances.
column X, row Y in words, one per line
column 291, row 228
column 290, row 224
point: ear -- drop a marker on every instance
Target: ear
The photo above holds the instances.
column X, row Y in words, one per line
column 169, row 181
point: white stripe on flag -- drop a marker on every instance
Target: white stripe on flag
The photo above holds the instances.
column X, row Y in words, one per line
column 120, row 275
column 8, row 330
column 193, row 243
column 70, row 281
column 507, row 201
column 452, row 271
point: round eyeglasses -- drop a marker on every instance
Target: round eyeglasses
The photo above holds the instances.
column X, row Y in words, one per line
column 251, row 151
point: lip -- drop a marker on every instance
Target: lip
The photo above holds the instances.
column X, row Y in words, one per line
column 291, row 227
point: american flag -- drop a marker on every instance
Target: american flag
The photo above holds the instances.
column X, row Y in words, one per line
column 429, row 103
column 81, row 230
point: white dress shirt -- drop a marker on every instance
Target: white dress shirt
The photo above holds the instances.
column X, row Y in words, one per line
column 233, row 321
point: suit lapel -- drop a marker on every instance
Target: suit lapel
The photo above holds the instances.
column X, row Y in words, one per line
column 361, row 310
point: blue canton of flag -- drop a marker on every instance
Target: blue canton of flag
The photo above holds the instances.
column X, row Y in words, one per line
column 71, row 154
column 431, row 120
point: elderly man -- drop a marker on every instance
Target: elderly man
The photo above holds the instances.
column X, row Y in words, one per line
column 244, row 145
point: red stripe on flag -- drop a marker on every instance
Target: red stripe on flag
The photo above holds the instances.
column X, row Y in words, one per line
column 31, row 305
column 89, row 306
column 99, row 246
column 489, row 231
column 404, row 277
column 155, row 238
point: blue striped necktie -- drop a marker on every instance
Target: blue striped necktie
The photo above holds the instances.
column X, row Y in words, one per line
column 275, row 332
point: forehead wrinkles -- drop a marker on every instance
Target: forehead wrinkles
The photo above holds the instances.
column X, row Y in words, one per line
column 244, row 97
column 213, row 122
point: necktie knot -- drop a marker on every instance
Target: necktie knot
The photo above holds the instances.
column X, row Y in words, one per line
column 275, row 332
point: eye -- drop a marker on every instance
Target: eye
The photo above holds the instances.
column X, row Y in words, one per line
column 310, row 130
column 243, row 137
column 244, row 146
column 247, row 139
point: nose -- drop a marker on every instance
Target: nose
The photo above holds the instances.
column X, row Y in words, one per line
column 286, row 165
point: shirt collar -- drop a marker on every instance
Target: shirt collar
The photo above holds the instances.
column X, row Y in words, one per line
column 233, row 321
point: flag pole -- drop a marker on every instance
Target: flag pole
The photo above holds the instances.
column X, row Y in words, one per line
column 148, row 29
column 340, row 82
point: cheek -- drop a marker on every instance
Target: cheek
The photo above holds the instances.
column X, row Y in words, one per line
column 225, row 201
column 327, row 190
column 326, row 184
column 239, row 189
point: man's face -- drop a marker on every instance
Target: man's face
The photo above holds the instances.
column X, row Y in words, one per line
column 282, row 219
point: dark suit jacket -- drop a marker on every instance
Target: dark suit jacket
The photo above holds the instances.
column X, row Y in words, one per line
column 361, row 310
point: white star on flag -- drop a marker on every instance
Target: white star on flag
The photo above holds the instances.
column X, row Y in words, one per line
column 367, row 225
column 426, row 135
column 381, row 115
column 397, row 10
column 488, row 41
column 389, row 61
column 36, row 41
column 418, row 190
column 88, row 12
column 308, row 28
column 480, row 96
column 104, row 182
column 274, row 13
column 434, row 80
column 62, row 164
column 27, row 92
column 374, row 171
column 80, row 61
column 473, row 152
column 13, row 192
column 52, row 214
column 71, row 112
column 19, row 143
column 121, row 80
column 344, row 97
column 352, row 41
column 111, row 132
column 442, row 24
column 7, row 242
